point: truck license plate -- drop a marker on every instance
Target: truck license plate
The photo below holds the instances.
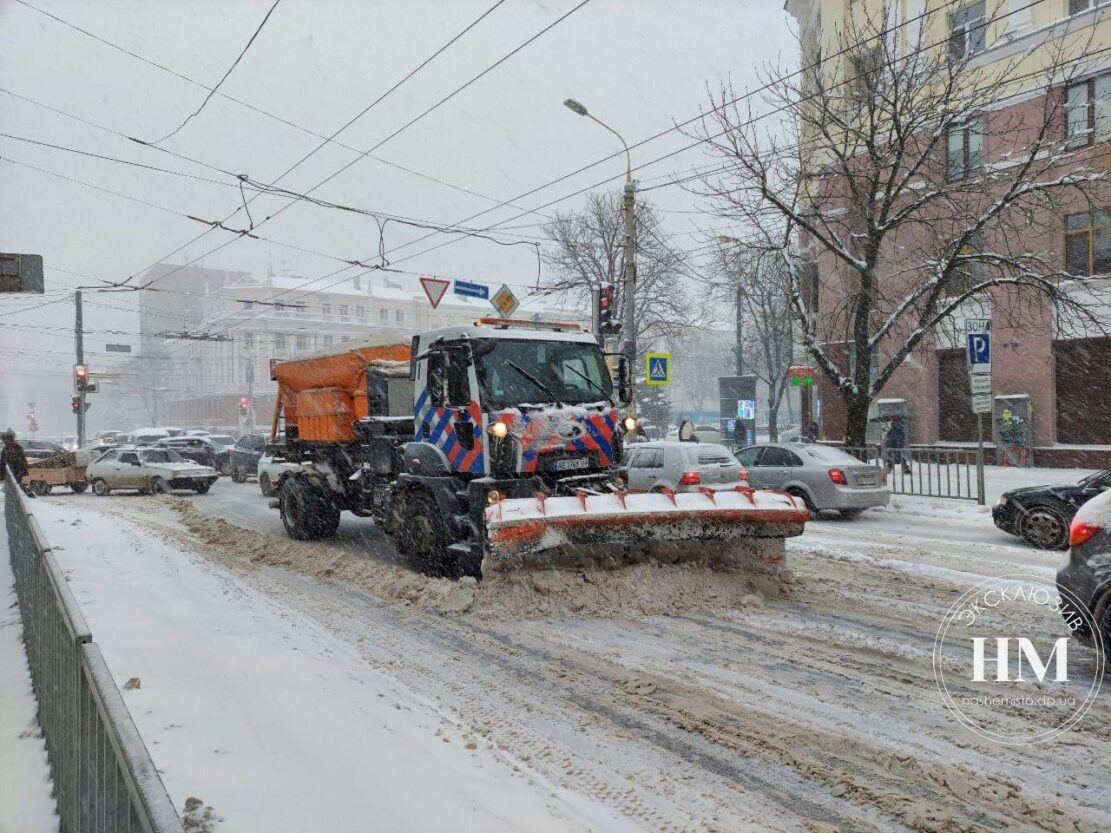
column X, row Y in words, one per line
column 571, row 463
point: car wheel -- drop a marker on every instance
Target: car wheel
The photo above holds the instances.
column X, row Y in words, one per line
column 238, row 474
column 224, row 468
column 159, row 486
column 79, row 487
column 265, row 486
column 801, row 494
column 422, row 536
column 849, row 514
column 1044, row 528
column 307, row 513
column 100, row 488
column 40, row 488
column 202, row 488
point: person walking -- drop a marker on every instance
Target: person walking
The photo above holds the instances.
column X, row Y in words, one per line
column 894, row 441
column 14, row 460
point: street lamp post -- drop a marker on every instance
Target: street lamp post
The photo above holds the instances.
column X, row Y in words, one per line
column 628, row 244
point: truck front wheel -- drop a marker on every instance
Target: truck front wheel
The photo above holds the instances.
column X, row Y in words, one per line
column 421, row 535
column 307, row 514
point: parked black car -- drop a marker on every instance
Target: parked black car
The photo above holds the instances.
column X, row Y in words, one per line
column 1085, row 577
column 244, row 456
column 41, row 449
column 200, row 450
column 1041, row 515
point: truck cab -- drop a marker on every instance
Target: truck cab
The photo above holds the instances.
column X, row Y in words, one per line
column 503, row 400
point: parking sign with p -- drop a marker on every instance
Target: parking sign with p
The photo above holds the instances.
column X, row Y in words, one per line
column 979, row 352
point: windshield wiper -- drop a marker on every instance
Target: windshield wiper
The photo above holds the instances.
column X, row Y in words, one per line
column 535, row 381
column 592, row 383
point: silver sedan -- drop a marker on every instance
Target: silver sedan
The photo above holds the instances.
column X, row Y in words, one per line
column 824, row 477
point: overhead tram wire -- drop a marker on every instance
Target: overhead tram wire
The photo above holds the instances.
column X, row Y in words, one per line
column 323, row 144
column 412, row 121
column 641, row 166
column 223, row 78
column 247, row 105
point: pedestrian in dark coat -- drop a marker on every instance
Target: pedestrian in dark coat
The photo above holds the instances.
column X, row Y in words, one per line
column 13, row 459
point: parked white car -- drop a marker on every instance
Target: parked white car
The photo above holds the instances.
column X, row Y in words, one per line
column 158, row 470
column 270, row 468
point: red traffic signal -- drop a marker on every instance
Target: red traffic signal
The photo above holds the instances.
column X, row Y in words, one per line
column 80, row 377
column 75, row 404
column 244, row 406
column 607, row 322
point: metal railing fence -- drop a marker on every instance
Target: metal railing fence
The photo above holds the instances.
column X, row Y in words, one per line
column 104, row 780
column 929, row 472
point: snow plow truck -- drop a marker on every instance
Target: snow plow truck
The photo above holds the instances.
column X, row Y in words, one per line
column 492, row 446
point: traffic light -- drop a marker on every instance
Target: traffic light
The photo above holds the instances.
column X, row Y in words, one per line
column 75, row 404
column 80, row 377
column 32, row 422
column 607, row 323
column 244, row 406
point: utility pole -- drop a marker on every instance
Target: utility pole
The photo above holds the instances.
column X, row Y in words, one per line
column 738, row 350
column 79, row 343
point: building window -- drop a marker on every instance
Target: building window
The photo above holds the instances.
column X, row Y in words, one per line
column 1088, row 109
column 970, row 273
column 249, row 341
column 866, row 67
column 328, row 341
column 302, row 342
column 384, row 316
column 967, row 31
column 343, row 312
column 964, row 151
column 326, row 310
column 344, row 339
column 279, row 342
column 1088, row 243
column 360, row 313
column 399, row 316
column 1077, row 6
column 808, row 286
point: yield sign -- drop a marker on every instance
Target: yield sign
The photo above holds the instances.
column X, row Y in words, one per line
column 434, row 288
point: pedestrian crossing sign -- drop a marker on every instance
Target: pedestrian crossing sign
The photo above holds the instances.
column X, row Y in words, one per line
column 657, row 369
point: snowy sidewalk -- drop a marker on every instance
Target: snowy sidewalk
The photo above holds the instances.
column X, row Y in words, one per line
column 268, row 718
column 26, row 805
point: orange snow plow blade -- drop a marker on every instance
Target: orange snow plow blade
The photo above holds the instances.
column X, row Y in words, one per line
column 611, row 530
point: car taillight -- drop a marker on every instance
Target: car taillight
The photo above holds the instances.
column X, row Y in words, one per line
column 838, row 477
column 742, row 474
column 690, row 478
column 1080, row 532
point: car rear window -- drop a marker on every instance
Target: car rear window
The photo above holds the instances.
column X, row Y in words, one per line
column 709, row 455
column 832, row 456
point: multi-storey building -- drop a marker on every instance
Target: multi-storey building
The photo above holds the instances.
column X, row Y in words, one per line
column 201, row 383
column 1059, row 370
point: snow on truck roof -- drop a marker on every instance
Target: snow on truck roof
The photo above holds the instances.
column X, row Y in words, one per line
column 524, row 331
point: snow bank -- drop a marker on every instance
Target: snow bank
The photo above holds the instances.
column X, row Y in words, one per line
column 26, row 805
column 260, row 719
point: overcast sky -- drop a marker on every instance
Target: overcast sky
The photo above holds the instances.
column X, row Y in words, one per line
column 640, row 65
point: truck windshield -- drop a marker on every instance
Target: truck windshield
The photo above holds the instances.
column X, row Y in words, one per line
column 561, row 368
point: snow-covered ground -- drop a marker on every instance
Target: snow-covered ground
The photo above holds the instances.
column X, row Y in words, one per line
column 26, row 805
column 306, row 682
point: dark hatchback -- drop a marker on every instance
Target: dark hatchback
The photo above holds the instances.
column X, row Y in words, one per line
column 200, row 450
column 1084, row 578
column 245, row 455
column 1041, row 515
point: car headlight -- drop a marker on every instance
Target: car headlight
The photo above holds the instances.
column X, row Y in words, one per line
column 630, row 424
column 499, row 429
column 1002, row 501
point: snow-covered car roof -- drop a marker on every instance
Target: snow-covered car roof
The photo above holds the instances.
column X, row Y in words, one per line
column 541, row 332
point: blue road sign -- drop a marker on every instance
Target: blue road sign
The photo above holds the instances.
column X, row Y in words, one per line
column 657, row 369
column 472, row 290
column 979, row 351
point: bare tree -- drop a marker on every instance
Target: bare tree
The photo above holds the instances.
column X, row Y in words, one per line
column 756, row 283
column 915, row 179
column 586, row 252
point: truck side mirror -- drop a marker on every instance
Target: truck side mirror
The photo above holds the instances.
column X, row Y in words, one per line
column 624, row 391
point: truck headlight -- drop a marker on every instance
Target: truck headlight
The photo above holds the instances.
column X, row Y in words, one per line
column 630, row 424
column 499, row 429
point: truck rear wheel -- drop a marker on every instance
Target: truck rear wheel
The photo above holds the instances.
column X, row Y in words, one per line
column 421, row 535
column 307, row 514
